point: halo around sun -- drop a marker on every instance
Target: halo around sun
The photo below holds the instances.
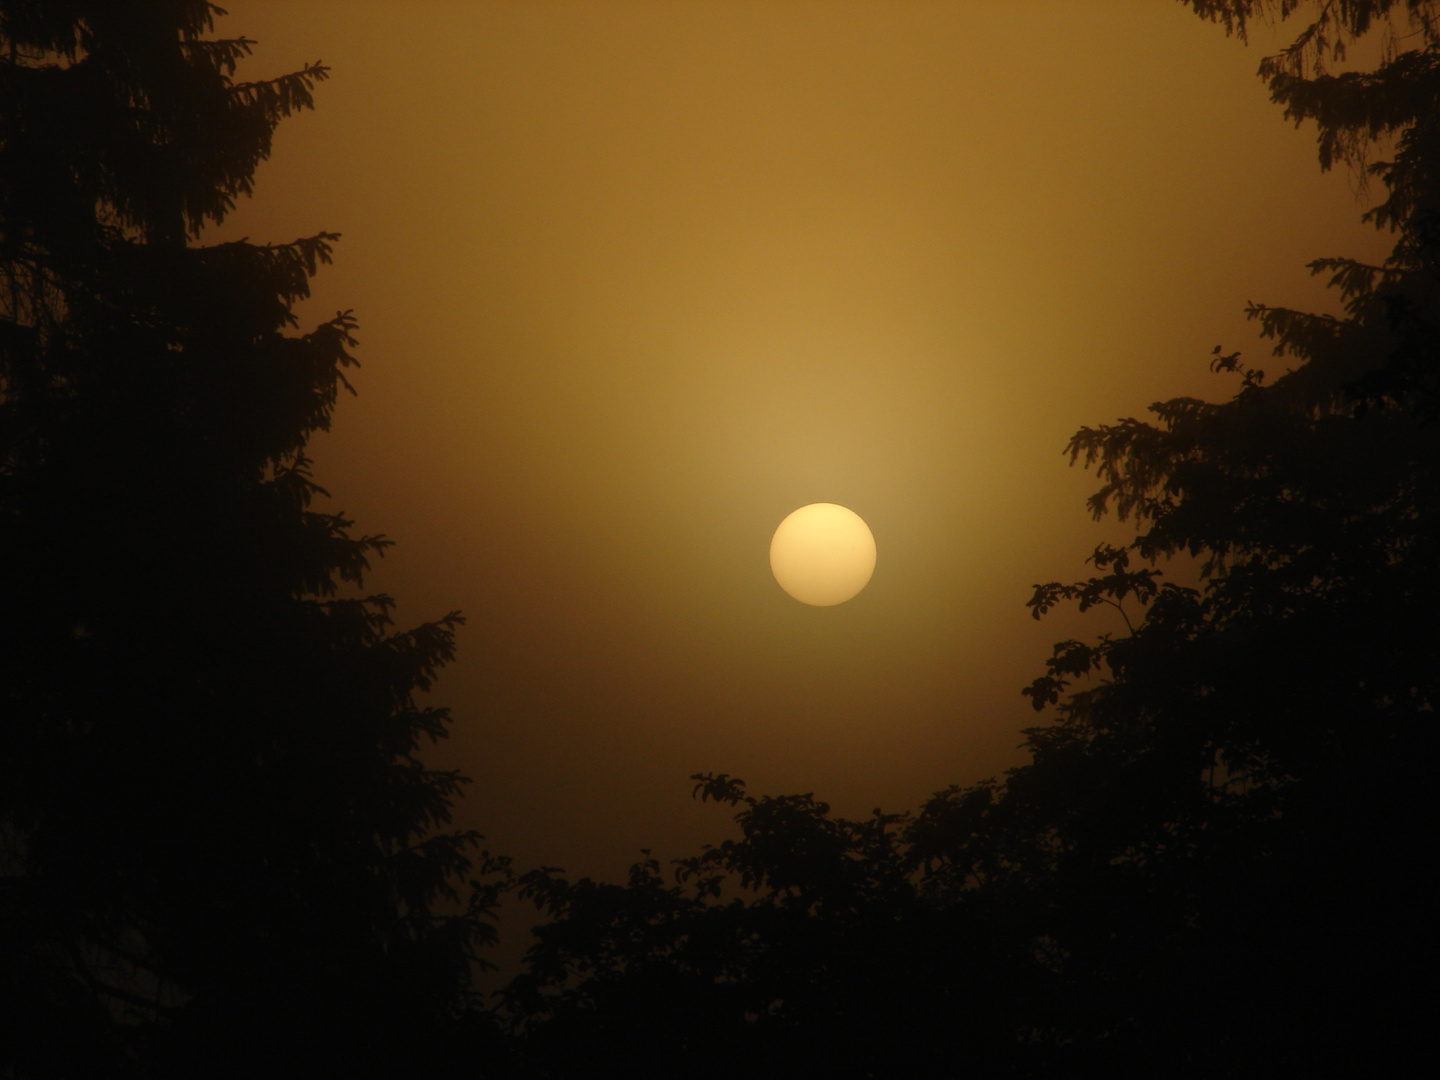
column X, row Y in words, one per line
column 823, row 554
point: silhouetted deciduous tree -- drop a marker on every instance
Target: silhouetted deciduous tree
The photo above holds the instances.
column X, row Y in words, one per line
column 1251, row 758
column 219, row 852
column 1212, row 864
column 805, row 948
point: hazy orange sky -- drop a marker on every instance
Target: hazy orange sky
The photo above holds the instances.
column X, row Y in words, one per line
column 637, row 279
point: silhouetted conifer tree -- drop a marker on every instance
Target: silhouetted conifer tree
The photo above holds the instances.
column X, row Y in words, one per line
column 1213, row 863
column 219, row 852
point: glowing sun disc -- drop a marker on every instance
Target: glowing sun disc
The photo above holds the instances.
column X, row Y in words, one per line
column 823, row 554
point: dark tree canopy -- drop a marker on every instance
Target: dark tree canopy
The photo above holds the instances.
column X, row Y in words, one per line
column 1211, row 864
column 219, row 851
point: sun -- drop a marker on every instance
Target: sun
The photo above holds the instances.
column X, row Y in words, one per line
column 823, row 554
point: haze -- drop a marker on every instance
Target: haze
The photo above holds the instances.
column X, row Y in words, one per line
column 635, row 280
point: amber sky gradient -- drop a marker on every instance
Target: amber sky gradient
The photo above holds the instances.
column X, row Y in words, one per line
column 637, row 279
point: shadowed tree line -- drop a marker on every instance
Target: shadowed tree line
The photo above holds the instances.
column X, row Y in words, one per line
column 220, row 853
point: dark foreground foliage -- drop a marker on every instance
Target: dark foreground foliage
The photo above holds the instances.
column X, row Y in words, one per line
column 1212, row 864
column 221, row 856
column 219, row 853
